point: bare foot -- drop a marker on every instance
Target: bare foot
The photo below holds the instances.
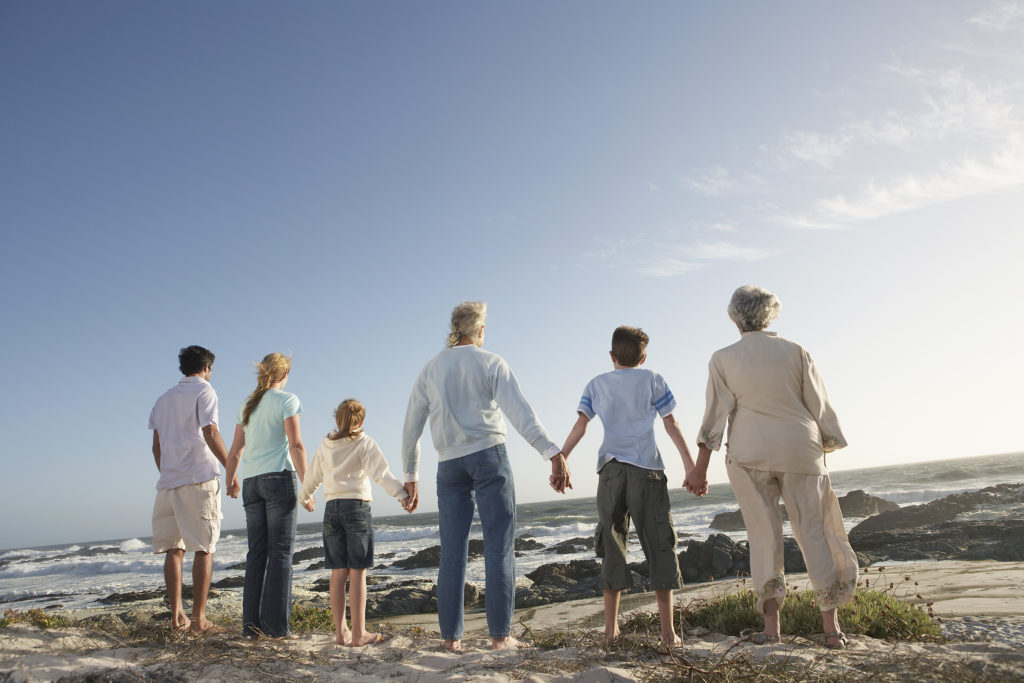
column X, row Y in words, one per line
column 365, row 638
column 610, row 638
column 181, row 623
column 204, row 628
column 453, row 645
column 343, row 637
column 508, row 643
column 676, row 641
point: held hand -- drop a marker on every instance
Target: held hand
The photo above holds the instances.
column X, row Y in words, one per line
column 310, row 504
column 413, row 501
column 560, row 474
column 695, row 485
column 233, row 487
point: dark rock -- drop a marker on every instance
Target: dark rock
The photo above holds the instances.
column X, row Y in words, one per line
column 403, row 600
column 573, row 545
column 317, row 565
column 308, row 554
column 944, row 509
column 240, row 565
column 557, row 573
column 133, row 596
column 230, row 582
column 476, row 547
column 428, row 557
column 853, row 504
column 969, row 540
column 524, row 543
column 793, row 559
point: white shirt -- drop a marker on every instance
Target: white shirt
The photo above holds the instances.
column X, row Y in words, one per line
column 770, row 392
column 345, row 466
column 178, row 418
column 628, row 400
column 464, row 391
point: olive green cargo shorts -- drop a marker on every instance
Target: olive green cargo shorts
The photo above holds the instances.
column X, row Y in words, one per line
column 626, row 491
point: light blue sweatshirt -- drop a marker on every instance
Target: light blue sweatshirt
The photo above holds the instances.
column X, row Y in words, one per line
column 464, row 390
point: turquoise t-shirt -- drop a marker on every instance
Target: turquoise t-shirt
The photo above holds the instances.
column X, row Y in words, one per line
column 266, row 445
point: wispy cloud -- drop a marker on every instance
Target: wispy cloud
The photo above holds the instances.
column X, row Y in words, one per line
column 1003, row 16
column 816, row 148
column 714, row 182
column 727, row 251
column 952, row 181
column 664, row 259
column 666, row 266
column 724, row 227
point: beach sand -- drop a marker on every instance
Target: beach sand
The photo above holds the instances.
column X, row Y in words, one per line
column 979, row 602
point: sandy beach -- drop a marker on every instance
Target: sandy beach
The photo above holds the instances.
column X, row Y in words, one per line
column 979, row 603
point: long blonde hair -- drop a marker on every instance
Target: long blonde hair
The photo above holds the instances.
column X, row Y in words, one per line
column 273, row 368
column 349, row 415
column 467, row 319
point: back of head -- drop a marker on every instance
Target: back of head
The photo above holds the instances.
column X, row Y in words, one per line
column 629, row 344
column 349, row 415
column 467, row 319
column 273, row 368
column 194, row 359
column 752, row 308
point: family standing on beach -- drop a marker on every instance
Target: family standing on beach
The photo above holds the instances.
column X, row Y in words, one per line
column 764, row 392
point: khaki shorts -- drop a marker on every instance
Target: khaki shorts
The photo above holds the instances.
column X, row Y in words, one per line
column 626, row 491
column 187, row 518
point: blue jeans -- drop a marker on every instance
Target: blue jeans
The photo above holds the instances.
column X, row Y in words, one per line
column 270, row 502
column 487, row 477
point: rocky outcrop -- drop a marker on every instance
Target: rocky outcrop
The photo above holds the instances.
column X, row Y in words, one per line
column 854, row 504
column 573, row 545
column 944, row 509
column 970, row 540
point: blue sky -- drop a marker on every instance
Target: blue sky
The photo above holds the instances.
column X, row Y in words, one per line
column 329, row 178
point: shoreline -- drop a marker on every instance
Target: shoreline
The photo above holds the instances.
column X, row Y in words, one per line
column 978, row 599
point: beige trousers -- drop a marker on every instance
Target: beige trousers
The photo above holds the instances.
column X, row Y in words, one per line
column 817, row 524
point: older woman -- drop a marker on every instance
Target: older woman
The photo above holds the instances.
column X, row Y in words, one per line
column 780, row 427
column 464, row 390
column 268, row 442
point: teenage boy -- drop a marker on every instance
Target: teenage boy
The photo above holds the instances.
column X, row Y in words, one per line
column 632, row 482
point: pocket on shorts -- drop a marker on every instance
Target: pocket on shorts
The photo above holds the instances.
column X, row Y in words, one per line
column 666, row 536
column 210, row 508
column 599, row 541
column 612, row 470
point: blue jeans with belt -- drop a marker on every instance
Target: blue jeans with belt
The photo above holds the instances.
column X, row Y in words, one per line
column 271, row 502
column 487, row 477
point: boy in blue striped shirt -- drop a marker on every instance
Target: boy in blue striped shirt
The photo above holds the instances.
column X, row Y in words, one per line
column 632, row 482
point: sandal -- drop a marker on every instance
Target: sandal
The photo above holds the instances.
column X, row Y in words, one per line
column 758, row 637
column 836, row 641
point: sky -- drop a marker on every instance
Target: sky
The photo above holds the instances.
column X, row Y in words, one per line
column 328, row 179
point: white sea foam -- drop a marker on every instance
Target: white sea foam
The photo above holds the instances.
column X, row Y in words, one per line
column 132, row 544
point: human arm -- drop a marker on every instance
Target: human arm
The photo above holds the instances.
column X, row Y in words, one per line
column 416, row 414
column 234, row 461
column 560, row 474
column 156, row 449
column 314, row 477
column 676, row 434
column 213, row 439
column 816, row 401
column 697, row 479
column 376, row 467
column 412, row 500
column 295, row 446
column 720, row 403
column 518, row 411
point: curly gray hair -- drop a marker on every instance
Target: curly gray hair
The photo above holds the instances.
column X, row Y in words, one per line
column 752, row 308
column 467, row 319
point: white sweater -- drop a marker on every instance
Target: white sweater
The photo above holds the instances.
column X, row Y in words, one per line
column 464, row 390
column 345, row 466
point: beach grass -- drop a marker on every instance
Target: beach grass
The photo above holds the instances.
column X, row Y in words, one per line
column 36, row 617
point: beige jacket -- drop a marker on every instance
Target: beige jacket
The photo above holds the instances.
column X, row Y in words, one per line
column 345, row 466
column 769, row 391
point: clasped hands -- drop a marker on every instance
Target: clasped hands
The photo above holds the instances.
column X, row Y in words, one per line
column 559, row 478
column 695, row 484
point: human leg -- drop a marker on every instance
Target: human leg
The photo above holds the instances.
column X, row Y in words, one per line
column 172, row 577
column 455, row 516
column 667, row 618
column 611, row 614
column 496, row 502
column 757, row 493
column 256, row 558
column 342, row 634
column 202, row 572
column 357, row 605
column 281, row 496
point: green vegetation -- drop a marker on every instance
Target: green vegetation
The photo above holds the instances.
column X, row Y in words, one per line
column 36, row 617
column 880, row 609
column 310, row 619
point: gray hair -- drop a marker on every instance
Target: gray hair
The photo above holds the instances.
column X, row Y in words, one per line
column 752, row 308
column 467, row 319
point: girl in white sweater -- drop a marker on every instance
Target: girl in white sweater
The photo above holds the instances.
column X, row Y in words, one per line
column 345, row 462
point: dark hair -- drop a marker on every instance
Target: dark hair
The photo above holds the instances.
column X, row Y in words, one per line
column 629, row 345
column 194, row 359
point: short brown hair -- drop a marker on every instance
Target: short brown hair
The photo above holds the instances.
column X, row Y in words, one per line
column 629, row 345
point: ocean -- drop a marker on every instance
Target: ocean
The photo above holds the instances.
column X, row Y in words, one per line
column 76, row 575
